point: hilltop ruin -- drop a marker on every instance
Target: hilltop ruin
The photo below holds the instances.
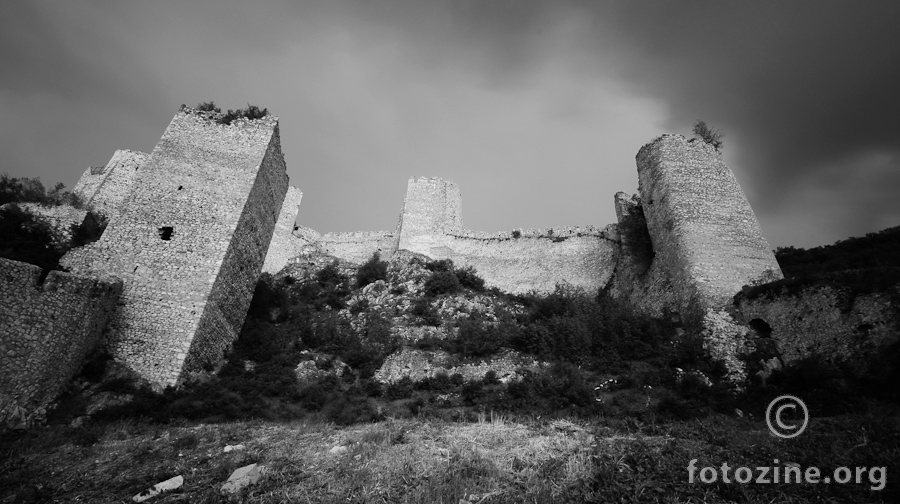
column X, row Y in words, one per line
column 193, row 224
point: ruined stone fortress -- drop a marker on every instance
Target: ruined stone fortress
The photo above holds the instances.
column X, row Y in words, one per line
column 166, row 288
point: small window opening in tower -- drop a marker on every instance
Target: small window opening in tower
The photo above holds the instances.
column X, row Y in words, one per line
column 166, row 232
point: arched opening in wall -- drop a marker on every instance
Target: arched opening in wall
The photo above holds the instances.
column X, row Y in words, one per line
column 761, row 327
column 166, row 232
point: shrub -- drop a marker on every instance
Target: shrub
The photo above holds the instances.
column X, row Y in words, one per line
column 712, row 136
column 422, row 308
column 472, row 391
column 475, row 340
column 400, row 389
column 31, row 190
column 371, row 388
column 469, row 278
column 440, row 265
column 251, row 112
column 441, row 282
column 28, row 238
column 209, row 106
column 359, row 307
column 371, row 271
column 331, row 288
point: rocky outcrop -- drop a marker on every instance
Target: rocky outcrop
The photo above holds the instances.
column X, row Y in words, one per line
column 421, row 364
column 826, row 321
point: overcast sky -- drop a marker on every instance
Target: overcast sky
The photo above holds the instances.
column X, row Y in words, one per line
column 536, row 110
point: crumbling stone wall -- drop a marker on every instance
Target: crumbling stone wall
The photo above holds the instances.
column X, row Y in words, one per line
column 189, row 243
column 826, row 322
column 47, row 328
column 534, row 259
column 705, row 236
column 648, row 287
column 283, row 246
column 358, row 247
column 104, row 188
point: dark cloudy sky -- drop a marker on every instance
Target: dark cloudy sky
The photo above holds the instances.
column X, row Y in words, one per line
column 536, row 109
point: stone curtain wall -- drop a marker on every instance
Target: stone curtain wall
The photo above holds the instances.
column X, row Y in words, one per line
column 106, row 188
column 359, row 247
column 828, row 322
column 704, row 233
column 516, row 261
column 536, row 259
column 46, row 331
column 283, row 247
column 193, row 231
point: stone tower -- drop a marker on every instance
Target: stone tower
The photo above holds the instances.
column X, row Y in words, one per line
column 432, row 207
column 705, row 235
column 189, row 241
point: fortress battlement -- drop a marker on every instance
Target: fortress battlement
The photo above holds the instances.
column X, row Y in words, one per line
column 193, row 224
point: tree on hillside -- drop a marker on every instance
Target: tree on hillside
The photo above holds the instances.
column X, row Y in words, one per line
column 709, row 135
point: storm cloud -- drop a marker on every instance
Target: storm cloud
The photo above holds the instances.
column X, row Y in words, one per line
column 536, row 109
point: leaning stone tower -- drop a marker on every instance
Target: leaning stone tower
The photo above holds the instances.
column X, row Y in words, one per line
column 705, row 235
column 189, row 241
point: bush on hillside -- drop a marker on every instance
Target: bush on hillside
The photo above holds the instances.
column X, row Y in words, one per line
column 371, row 271
column 469, row 279
column 28, row 238
column 31, row 190
column 441, row 282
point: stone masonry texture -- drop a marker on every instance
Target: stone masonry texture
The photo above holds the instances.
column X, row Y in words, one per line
column 104, row 188
column 282, row 247
column 705, row 235
column 189, row 243
column 47, row 328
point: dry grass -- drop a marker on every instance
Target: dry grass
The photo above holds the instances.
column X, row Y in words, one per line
column 492, row 460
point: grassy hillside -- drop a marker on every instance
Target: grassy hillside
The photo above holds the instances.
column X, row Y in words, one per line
column 494, row 459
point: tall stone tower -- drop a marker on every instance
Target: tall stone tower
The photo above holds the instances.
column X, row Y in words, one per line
column 432, row 207
column 189, row 241
column 705, row 235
